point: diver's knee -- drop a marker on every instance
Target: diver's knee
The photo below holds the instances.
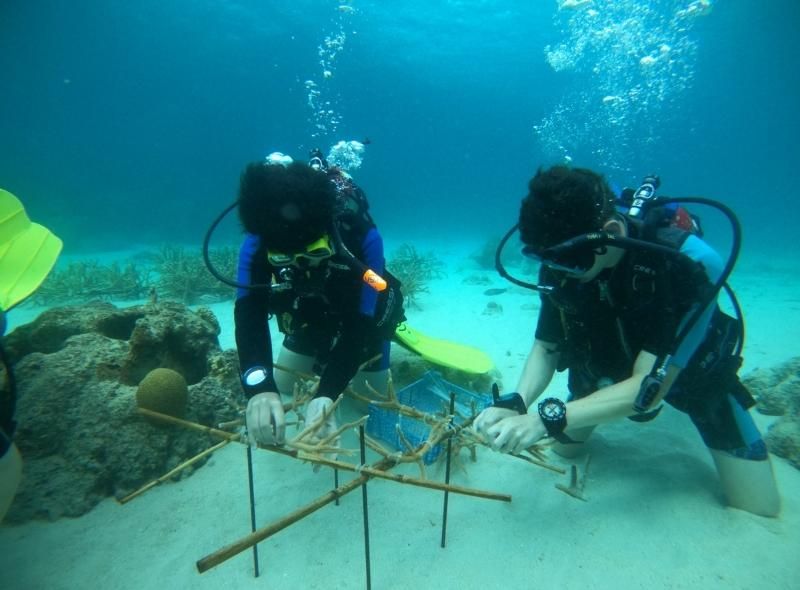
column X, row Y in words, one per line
column 573, row 449
column 748, row 484
column 290, row 367
column 370, row 383
column 569, row 450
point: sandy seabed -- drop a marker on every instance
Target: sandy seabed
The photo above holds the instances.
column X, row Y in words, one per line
column 654, row 516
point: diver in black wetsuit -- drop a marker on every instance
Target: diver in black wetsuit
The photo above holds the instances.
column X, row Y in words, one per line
column 629, row 308
column 309, row 236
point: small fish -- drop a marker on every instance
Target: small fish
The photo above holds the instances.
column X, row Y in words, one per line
column 495, row 291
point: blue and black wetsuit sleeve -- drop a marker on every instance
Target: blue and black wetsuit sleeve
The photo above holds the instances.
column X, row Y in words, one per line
column 251, row 315
column 699, row 251
column 356, row 340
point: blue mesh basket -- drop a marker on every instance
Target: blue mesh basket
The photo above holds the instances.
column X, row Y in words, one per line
column 430, row 394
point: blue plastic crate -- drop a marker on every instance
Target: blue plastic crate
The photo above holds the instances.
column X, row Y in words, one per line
column 430, row 394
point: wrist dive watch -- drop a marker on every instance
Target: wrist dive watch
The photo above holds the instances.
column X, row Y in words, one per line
column 553, row 413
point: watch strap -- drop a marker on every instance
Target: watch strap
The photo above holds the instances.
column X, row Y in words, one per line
column 511, row 401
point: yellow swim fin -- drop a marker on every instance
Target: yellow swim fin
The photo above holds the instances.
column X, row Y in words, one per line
column 443, row 352
column 28, row 252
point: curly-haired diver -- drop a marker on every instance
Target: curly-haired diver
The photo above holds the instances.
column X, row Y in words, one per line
column 310, row 236
column 615, row 316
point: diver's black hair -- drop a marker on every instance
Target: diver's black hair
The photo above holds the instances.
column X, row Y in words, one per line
column 562, row 203
column 288, row 207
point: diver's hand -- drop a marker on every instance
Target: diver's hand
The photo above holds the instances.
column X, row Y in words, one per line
column 489, row 417
column 517, row 433
column 314, row 416
column 266, row 423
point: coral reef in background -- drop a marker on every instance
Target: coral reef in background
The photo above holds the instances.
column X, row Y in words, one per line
column 87, row 280
column 77, row 372
column 173, row 273
column 183, row 275
column 778, row 393
column 512, row 254
column 415, row 271
column 484, row 257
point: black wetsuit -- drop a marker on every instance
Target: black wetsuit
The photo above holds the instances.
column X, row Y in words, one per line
column 8, row 399
column 602, row 325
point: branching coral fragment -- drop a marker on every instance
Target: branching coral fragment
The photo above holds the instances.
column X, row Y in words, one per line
column 415, row 271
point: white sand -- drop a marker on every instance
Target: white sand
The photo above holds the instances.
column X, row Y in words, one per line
column 654, row 516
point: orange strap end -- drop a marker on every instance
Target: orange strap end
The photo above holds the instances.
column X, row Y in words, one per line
column 374, row 280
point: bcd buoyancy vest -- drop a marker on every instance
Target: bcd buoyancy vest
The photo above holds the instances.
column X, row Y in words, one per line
column 322, row 296
column 637, row 304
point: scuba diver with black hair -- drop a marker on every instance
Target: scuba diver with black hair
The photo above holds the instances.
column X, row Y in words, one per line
column 314, row 260
column 629, row 307
column 28, row 252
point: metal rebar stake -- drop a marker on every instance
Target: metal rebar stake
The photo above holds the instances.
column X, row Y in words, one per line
column 365, row 508
column 447, row 469
column 252, row 506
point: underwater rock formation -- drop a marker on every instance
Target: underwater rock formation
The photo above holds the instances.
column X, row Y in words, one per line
column 777, row 389
column 778, row 393
column 77, row 372
column 492, row 308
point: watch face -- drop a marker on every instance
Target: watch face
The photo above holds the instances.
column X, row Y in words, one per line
column 255, row 376
column 552, row 410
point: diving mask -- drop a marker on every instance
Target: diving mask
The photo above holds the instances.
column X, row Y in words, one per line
column 316, row 251
column 573, row 263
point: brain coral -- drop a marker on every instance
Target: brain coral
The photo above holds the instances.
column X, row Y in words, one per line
column 164, row 391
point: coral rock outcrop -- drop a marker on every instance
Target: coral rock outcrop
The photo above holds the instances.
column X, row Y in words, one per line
column 78, row 369
column 778, row 393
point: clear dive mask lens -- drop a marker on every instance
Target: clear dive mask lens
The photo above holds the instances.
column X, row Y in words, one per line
column 315, row 251
column 574, row 263
column 277, row 259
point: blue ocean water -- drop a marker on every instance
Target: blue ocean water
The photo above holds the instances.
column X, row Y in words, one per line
column 129, row 122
